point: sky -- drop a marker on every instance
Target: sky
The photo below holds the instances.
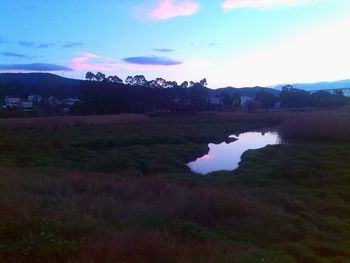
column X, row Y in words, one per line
column 230, row 42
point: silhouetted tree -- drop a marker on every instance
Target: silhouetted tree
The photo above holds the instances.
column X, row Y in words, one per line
column 198, row 96
column 291, row 98
column 100, row 76
column 114, row 79
column 184, row 85
column 128, row 80
column 203, row 82
column 89, row 76
column 139, row 80
column 227, row 100
column 236, row 104
column 267, row 99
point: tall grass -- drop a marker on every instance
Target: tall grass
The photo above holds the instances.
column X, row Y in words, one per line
column 264, row 117
column 103, row 218
column 68, row 121
column 319, row 125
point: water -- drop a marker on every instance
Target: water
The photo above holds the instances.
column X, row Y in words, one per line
column 227, row 156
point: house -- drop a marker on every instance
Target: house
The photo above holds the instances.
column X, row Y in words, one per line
column 26, row 105
column 12, row 102
column 35, row 99
column 70, row 101
column 54, row 101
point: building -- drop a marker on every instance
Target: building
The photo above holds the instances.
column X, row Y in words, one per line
column 12, row 102
column 35, row 99
column 54, row 101
column 70, row 101
column 26, row 105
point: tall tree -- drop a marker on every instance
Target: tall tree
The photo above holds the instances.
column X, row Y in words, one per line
column 184, row 85
column 100, row 76
column 90, row 76
column 203, row 82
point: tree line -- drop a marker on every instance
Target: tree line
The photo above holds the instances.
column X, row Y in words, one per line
column 101, row 94
column 106, row 95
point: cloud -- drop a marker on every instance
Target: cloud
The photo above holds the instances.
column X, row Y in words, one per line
column 212, row 44
column 15, row 55
column 34, row 67
column 236, row 4
column 29, row 44
column 67, row 44
column 152, row 60
column 165, row 50
column 92, row 62
column 167, row 9
column 72, row 44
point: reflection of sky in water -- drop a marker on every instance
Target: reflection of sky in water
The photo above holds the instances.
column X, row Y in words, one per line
column 226, row 156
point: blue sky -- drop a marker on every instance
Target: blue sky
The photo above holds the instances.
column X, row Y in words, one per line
column 230, row 42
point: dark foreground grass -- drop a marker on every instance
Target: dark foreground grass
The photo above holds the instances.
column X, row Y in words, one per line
column 121, row 193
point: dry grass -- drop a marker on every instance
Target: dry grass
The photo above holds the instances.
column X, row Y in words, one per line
column 152, row 247
column 319, row 125
column 330, row 125
column 68, row 121
column 268, row 117
column 118, row 219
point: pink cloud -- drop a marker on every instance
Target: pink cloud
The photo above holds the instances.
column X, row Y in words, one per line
column 167, row 9
column 236, row 4
column 93, row 62
column 84, row 57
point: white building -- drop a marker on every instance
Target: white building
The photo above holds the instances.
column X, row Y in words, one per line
column 12, row 102
column 26, row 105
column 35, row 98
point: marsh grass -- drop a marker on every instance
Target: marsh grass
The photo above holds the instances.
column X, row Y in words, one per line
column 69, row 121
column 122, row 193
column 322, row 126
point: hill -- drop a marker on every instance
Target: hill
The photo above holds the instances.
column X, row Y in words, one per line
column 340, row 84
column 250, row 92
column 45, row 84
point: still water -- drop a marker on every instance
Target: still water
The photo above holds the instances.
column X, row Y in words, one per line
column 226, row 156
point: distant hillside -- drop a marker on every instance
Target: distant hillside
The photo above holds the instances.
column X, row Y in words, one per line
column 340, row 84
column 45, row 84
column 250, row 92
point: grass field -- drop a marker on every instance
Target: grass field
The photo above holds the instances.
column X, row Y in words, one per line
column 122, row 193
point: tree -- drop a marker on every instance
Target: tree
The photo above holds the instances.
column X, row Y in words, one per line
column 184, row 85
column 203, row 82
column 327, row 99
column 158, row 83
column 291, row 98
column 227, row 100
column 128, row 80
column 198, row 96
column 139, row 80
column 100, row 76
column 114, row 79
column 90, row 76
column 267, row 99
column 171, row 84
column 236, row 104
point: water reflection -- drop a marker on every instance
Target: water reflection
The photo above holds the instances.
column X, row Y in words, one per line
column 226, row 156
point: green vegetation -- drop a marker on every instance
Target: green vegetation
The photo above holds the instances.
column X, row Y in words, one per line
column 122, row 193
